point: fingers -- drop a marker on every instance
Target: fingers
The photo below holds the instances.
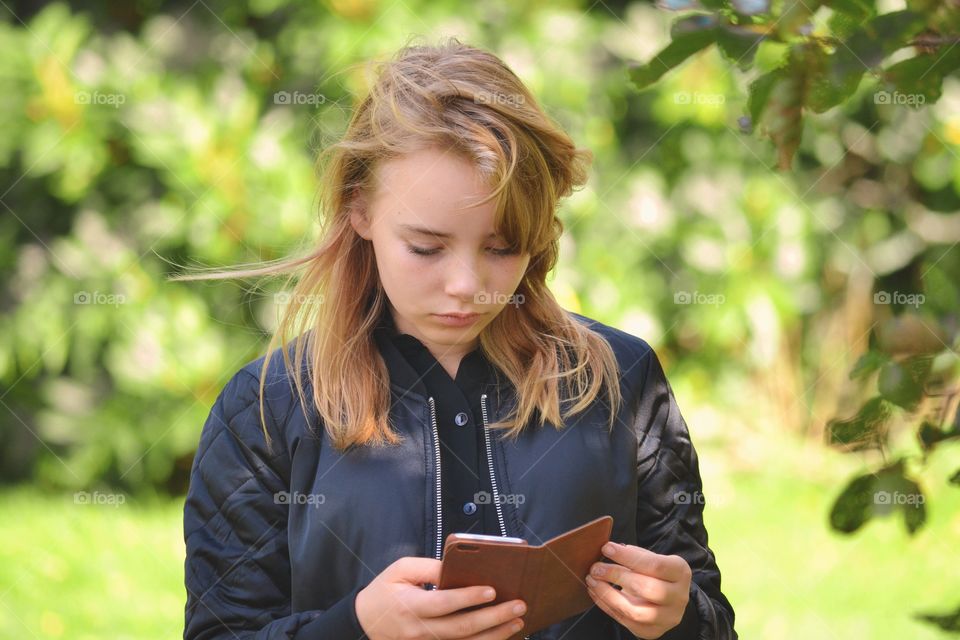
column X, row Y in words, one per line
column 442, row 602
column 493, row 620
column 649, row 589
column 620, row 606
column 415, row 570
column 501, row 632
column 671, row 568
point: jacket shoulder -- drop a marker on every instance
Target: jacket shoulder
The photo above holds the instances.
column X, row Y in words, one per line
column 240, row 404
column 634, row 354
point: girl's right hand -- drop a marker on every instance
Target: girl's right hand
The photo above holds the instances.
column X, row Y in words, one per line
column 395, row 606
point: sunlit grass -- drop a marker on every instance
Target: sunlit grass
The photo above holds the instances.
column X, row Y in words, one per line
column 83, row 571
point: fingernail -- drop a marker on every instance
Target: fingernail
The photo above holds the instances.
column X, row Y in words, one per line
column 519, row 609
column 517, row 625
column 591, row 581
column 489, row 593
column 609, row 549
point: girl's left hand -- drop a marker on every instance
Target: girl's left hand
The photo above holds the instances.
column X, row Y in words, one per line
column 655, row 589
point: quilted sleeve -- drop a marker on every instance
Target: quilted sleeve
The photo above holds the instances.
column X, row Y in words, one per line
column 237, row 568
column 670, row 505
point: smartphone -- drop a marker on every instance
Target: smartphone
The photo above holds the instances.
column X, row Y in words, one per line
column 488, row 538
column 466, row 546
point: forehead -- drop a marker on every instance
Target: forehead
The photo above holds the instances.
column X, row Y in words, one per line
column 433, row 189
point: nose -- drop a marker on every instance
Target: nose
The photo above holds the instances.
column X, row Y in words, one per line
column 464, row 280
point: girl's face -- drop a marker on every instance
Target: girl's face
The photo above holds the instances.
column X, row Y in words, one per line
column 436, row 253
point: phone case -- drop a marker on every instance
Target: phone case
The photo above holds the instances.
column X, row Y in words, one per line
column 549, row 577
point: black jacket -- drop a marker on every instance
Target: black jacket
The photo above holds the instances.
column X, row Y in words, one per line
column 279, row 542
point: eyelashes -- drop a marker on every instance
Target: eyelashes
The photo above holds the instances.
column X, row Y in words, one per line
column 420, row 251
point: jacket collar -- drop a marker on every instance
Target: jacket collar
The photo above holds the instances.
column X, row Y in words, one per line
column 403, row 376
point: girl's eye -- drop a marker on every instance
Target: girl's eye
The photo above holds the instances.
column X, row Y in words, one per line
column 420, row 251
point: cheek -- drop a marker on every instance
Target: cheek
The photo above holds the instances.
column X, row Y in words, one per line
column 402, row 270
column 510, row 274
column 393, row 256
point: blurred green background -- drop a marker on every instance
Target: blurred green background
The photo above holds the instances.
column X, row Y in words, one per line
column 139, row 137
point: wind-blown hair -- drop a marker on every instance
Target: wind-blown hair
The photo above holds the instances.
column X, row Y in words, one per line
column 464, row 100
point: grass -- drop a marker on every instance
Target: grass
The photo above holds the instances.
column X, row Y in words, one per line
column 83, row 571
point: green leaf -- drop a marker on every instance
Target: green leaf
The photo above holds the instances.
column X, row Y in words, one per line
column 879, row 494
column 783, row 113
column 826, row 89
column 868, row 428
column 915, row 513
column 868, row 363
column 682, row 47
column 841, row 25
column 739, row 44
column 894, row 491
column 942, row 293
column 759, row 93
column 929, row 435
column 899, row 385
column 690, row 24
column 854, row 506
column 955, row 478
column 869, row 45
column 794, row 15
column 923, row 5
column 923, row 75
column 947, row 621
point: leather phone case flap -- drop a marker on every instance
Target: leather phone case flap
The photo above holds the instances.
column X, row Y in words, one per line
column 548, row 577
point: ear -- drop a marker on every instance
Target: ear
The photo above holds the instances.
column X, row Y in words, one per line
column 359, row 216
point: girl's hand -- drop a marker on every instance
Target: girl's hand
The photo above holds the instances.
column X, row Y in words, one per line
column 655, row 589
column 396, row 607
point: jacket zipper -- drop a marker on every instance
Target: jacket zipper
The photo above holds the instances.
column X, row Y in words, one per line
column 436, row 445
column 493, row 476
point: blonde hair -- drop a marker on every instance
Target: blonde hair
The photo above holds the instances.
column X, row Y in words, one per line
column 467, row 100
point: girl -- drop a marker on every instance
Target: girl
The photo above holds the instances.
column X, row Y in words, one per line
column 435, row 386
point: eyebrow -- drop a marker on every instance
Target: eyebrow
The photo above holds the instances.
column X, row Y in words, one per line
column 431, row 232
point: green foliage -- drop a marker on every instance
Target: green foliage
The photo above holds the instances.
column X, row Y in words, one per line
column 886, row 491
column 134, row 141
column 829, row 48
column 826, row 61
